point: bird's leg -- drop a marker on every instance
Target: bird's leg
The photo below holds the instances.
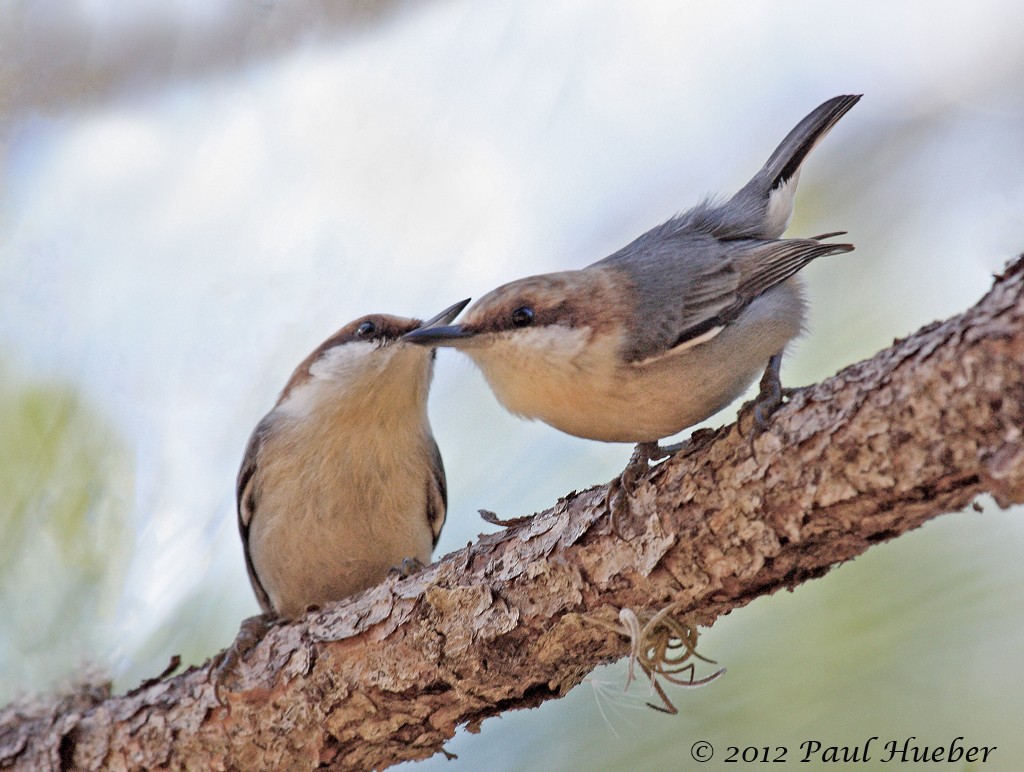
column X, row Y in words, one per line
column 770, row 397
column 622, row 488
column 250, row 633
column 643, row 454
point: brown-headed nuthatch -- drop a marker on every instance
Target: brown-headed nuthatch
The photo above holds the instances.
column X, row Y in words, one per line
column 342, row 480
column 668, row 330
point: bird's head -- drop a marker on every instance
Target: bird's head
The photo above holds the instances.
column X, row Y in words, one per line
column 368, row 361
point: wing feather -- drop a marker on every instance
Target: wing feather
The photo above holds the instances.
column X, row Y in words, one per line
column 247, row 496
column 437, row 492
column 721, row 278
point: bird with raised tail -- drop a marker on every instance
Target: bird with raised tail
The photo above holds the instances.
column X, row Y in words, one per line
column 342, row 481
column 668, row 330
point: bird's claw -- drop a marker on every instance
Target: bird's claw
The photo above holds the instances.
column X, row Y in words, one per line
column 251, row 632
column 770, row 397
column 409, row 567
column 626, row 483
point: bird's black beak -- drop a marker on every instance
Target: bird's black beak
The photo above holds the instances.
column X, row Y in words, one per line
column 434, row 331
column 445, row 316
column 438, row 336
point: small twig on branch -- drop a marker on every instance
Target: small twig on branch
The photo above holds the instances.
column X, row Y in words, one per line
column 918, row 430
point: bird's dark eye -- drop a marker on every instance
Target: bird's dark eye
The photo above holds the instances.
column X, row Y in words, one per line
column 522, row 316
column 366, row 329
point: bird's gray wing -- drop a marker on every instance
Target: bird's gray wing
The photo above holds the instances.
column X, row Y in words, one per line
column 437, row 491
column 681, row 281
column 247, row 495
column 688, row 286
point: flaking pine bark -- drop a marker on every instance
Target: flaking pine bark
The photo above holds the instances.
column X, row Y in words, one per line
column 521, row 616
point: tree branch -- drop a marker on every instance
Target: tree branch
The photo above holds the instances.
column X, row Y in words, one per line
column 521, row 616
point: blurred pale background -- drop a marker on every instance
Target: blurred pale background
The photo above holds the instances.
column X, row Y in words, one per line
column 196, row 194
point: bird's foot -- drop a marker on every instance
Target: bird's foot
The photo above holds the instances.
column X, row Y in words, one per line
column 251, row 632
column 409, row 567
column 622, row 488
column 770, row 397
